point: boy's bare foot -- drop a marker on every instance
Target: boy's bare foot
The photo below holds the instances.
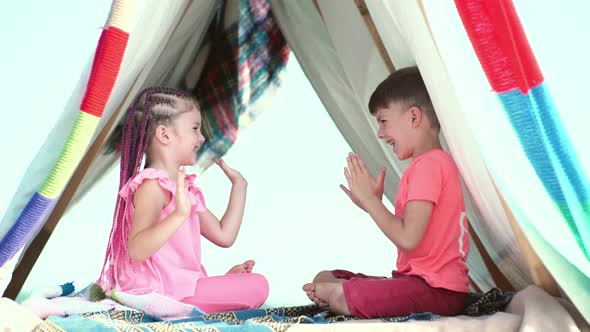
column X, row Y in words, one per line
column 245, row 267
column 328, row 294
column 319, row 293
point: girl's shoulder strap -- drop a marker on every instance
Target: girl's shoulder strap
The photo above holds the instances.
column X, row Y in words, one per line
column 197, row 198
column 148, row 174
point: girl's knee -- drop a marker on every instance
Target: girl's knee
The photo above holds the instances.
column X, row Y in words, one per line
column 259, row 283
column 259, row 280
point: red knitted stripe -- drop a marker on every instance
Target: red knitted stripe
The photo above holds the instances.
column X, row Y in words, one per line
column 500, row 43
column 107, row 61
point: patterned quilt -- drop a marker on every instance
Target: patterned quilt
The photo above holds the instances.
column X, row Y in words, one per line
column 276, row 319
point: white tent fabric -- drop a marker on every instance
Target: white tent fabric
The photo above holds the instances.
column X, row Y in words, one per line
column 324, row 48
column 162, row 61
column 483, row 116
column 483, row 112
column 486, row 214
column 143, row 63
column 312, row 44
column 388, row 27
column 302, row 26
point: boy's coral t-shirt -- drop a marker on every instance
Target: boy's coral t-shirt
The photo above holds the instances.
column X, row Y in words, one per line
column 440, row 257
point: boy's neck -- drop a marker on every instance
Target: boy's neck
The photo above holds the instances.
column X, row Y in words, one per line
column 425, row 147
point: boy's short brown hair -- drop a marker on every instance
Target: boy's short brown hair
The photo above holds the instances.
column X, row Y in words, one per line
column 407, row 87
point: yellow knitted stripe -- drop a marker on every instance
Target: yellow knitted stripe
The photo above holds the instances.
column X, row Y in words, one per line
column 71, row 155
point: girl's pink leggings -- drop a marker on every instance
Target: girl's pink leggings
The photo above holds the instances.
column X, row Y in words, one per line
column 235, row 291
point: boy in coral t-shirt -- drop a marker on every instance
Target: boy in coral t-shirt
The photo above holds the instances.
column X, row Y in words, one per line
column 429, row 227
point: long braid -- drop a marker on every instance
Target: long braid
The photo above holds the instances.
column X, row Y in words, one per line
column 113, row 249
column 142, row 144
column 152, row 107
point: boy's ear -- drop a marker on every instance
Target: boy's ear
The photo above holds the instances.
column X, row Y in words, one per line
column 416, row 116
column 162, row 135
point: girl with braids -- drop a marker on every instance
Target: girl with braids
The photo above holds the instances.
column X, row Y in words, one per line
column 155, row 241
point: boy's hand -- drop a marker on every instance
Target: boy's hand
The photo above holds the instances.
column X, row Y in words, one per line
column 234, row 176
column 363, row 187
column 183, row 205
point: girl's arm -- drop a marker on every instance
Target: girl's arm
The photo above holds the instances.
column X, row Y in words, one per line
column 147, row 234
column 224, row 233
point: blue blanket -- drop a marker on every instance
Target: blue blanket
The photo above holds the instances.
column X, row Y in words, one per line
column 276, row 319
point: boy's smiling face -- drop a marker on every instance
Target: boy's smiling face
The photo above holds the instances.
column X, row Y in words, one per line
column 395, row 128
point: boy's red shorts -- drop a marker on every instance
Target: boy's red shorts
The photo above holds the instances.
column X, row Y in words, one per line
column 400, row 295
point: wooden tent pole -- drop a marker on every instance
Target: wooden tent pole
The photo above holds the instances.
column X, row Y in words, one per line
column 541, row 276
column 317, row 7
column 364, row 11
column 497, row 276
column 474, row 287
column 33, row 252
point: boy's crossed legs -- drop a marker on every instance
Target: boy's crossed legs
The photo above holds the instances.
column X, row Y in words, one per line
column 327, row 289
column 363, row 296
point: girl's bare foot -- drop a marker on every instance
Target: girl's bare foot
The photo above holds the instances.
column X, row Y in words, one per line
column 245, row 267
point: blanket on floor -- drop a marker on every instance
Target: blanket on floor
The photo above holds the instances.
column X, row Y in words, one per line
column 276, row 319
column 92, row 309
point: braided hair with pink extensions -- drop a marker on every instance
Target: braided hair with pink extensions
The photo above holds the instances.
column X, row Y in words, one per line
column 152, row 107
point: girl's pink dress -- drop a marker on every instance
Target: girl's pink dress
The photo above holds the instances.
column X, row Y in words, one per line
column 175, row 270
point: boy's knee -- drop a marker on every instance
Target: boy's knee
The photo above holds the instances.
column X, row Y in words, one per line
column 323, row 276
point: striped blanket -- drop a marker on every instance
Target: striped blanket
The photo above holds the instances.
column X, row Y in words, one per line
column 92, row 309
column 276, row 319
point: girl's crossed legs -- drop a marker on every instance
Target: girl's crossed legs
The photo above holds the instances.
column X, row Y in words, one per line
column 237, row 290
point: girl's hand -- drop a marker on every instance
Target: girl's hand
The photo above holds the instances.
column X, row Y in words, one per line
column 183, row 205
column 234, row 176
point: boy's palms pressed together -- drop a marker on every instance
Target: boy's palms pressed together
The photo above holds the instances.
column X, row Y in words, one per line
column 364, row 189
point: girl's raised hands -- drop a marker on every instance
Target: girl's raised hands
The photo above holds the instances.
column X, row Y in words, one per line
column 234, row 176
column 183, row 205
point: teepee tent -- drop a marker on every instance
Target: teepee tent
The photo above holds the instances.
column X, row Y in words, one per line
column 520, row 152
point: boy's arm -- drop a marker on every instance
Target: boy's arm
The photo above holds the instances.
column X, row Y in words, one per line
column 405, row 233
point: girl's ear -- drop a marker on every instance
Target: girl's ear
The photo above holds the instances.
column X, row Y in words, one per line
column 162, row 135
column 416, row 115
